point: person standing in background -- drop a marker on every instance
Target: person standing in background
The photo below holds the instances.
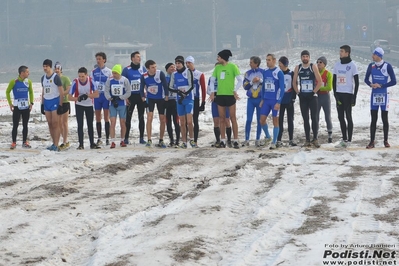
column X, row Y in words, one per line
column 324, row 100
column 382, row 77
column 171, row 110
column 66, row 106
column 23, row 98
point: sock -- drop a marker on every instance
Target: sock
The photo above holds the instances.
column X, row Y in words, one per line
column 107, row 130
column 223, row 140
column 266, row 130
column 329, row 134
column 216, row 131
column 99, row 127
column 275, row 134
column 228, row 133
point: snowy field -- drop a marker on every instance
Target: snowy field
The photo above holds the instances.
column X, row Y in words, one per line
column 205, row 206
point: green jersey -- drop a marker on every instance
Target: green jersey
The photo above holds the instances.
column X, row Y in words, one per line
column 225, row 76
column 66, row 82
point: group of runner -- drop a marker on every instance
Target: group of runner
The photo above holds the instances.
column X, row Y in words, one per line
column 179, row 95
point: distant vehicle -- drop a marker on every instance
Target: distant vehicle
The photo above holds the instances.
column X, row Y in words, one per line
column 384, row 44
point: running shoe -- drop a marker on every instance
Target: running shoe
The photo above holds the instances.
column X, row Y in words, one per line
column 123, row 144
column 371, row 145
column 113, row 145
column 13, row 145
column 235, row 145
column 54, row 148
column 94, row 146
column 341, row 144
column 292, row 143
column 307, row 144
column 216, row 144
column 183, row 145
column 64, row 146
column 142, row 141
column 193, row 144
column 272, row 146
column 329, row 140
column 246, row 143
column 386, row 144
column 222, row 145
column 107, row 142
column 126, row 141
column 81, row 147
column 161, row 144
column 315, row 143
column 148, row 143
column 229, row 144
column 26, row 145
column 279, row 144
column 99, row 142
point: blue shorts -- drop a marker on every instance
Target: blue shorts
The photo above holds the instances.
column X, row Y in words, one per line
column 379, row 100
column 119, row 111
column 268, row 105
column 215, row 111
column 186, row 107
column 51, row 105
column 101, row 102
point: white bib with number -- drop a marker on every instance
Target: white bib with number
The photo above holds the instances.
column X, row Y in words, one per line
column 135, row 85
column 100, row 86
column 117, row 89
column 269, row 86
column 379, row 98
column 341, row 79
column 23, row 104
column 307, row 85
column 183, row 88
column 222, row 75
column 153, row 89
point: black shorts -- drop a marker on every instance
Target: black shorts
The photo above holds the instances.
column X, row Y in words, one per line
column 225, row 100
column 160, row 105
column 66, row 107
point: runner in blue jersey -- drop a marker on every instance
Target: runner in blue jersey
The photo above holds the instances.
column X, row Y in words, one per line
column 382, row 77
column 133, row 73
column 100, row 75
column 171, row 110
column 23, row 97
column 117, row 92
column 287, row 103
column 253, row 81
column 271, row 95
column 182, row 82
column 153, row 85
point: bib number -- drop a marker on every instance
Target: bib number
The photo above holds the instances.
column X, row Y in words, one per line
column 23, row 104
column 379, row 99
column 117, row 90
column 223, row 75
column 341, row 80
column 153, row 89
column 269, row 86
column 100, row 86
column 307, row 85
column 183, row 88
column 135, row 85
column 47, row 90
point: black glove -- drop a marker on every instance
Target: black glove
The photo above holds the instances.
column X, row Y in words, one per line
column 202, row 107
column 353, row 100
column 114, row 102
column 145, row 104
column 60, row 110
column 82, row 97
column 42, row 109
column 182, row 96
column 337, row 100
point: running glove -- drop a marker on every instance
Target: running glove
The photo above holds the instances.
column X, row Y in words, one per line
column 337, row 99
column 202, row 107
column 353, row 100
column 42, row 109
column 82, row 97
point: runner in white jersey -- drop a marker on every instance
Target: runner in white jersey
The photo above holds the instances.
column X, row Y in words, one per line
column 52, row 102
column 345, row 86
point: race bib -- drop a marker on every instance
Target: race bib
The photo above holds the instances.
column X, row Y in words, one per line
column 183, row 88
column 152, row 89
column 23, row 104
column 47, row 90
column 269, row 86
column 307, row 85
column 379, row 99
column 286, row 86
column 222, row 75
column 117, row 89
column 135, row 85
column 341, row 80
column 100, row 86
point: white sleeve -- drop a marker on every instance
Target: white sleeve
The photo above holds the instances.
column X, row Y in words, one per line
column 211, row 87
column 239, row 82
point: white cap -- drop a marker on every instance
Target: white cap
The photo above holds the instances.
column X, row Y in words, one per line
column 378, row 52
column 190, row 59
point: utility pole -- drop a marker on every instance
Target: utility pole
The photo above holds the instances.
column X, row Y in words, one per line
column 214, row 28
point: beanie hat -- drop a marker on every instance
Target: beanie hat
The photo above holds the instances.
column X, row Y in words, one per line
column 305, row 52
column 322, row 59
column 58, row 65
column 180, row 59
column 284, row 61
column 48, row 62
column 225, row 54
column 190, row 59
column 117, row 69
column 168, row 66
column 379, row 52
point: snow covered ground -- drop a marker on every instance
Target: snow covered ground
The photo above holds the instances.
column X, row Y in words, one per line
column 140, row 206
